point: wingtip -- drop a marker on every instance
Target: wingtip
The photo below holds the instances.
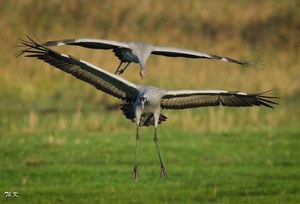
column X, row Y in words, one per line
column 28, row 45
column 267, row 98
column 254, row 64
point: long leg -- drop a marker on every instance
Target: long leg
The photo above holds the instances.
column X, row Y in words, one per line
column 118, row 67
column 135, row 173
column 122, row 70
column 163, row 171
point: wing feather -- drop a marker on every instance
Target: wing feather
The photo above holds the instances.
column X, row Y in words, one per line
column 182, row 99
column 101, row 79
column 88, row 43
column 179, row 52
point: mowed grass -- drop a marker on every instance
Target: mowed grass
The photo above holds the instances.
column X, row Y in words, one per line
column 62, row 141
column 48, row 165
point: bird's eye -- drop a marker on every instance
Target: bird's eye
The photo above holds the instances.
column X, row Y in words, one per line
column 142, row 99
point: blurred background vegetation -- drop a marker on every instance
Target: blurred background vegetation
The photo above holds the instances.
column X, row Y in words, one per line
column 248, row 30
column 61, row 140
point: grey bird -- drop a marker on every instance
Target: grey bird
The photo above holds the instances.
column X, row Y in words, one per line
column 139, row 52
column 142, row 104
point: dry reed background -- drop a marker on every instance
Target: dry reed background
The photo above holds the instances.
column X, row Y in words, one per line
column 250, row 30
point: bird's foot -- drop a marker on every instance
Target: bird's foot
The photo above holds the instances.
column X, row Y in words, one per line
column 120, row 71
column 163, row 172
column 135, row 174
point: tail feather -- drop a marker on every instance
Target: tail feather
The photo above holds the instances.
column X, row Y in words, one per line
column 119, row 53
column 147, row 119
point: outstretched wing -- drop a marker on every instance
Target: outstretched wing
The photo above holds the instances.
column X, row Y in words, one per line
column 191, row 99
column 88, row 43
column 178, row 52
column 101, row 79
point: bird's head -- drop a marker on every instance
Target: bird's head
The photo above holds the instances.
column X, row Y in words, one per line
column 142, row 67
column 142, row 101
column 142, row 73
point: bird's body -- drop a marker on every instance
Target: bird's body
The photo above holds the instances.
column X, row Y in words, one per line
column 147, row 104
column 143, row 104
column 139, row 52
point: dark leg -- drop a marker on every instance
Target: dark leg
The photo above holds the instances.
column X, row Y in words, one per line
column 135, row 173
column 118, row 67
column 163, row 172
column 122, row 70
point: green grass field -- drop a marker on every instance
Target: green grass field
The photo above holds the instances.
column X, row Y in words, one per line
column 79, row 165
column 62, row 141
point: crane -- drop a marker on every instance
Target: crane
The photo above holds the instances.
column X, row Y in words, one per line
column 139, row 52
